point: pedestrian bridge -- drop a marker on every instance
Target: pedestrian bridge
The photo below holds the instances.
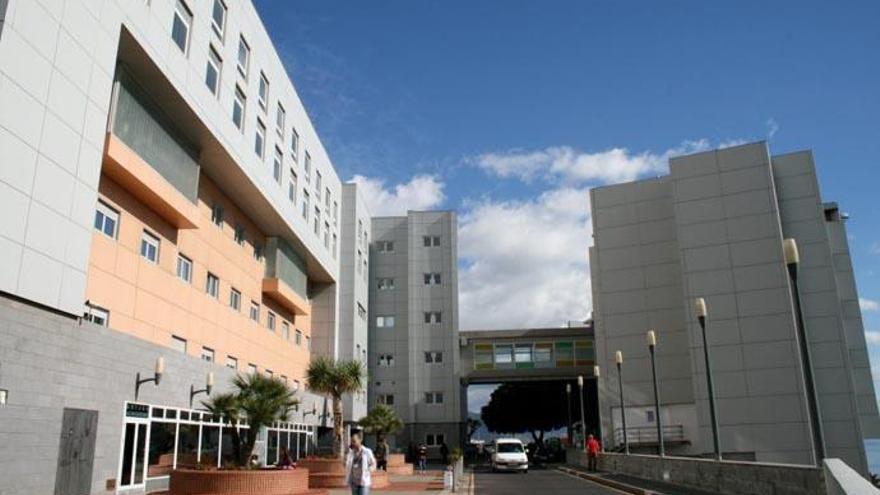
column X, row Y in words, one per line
column 534, row 354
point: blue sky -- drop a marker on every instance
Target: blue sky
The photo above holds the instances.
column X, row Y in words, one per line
column 509, row 111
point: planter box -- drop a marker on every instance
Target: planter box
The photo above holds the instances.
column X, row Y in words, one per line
column 397, row 465
column 241, row 482
column 330, row 473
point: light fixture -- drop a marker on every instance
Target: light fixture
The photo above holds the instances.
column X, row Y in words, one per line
column 583, row 419
column 158, row 371
column 596, row 371
column 700, row 307
column 618, row 358
column 209, row 386
column 4, row 396
column 652, row 344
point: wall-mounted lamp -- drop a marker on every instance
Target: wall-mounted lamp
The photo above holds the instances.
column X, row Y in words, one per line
column 209, row 385
column 314, row 411
column 157, row 377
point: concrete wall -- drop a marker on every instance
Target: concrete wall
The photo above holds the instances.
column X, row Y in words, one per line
column 49, row 362
column 726, row 477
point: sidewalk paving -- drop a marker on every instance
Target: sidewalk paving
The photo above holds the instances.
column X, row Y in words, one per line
column 629, row 484
column 430, row 482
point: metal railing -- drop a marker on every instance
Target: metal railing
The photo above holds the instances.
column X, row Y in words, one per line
column 647, row 435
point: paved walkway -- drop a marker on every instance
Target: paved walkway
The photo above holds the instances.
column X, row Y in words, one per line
column 540, row 481
column 431, row 481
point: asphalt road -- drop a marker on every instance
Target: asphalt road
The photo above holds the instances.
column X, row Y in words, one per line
column 541, row 481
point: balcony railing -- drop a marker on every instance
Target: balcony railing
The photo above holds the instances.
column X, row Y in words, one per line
column 647, row 435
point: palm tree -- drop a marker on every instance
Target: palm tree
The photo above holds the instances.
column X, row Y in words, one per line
column 335, row 378
column 257, row 401
column 381, row 421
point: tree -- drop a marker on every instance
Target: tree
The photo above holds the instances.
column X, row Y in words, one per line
column 533, row 407
column 257, row 401
column 381, row 421
column 473, row 424
column 335, row 378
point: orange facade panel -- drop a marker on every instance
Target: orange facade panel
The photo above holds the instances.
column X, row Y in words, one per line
column 286, row 296
column 129, row 170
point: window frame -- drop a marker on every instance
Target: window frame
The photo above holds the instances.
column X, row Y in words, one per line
column 182, row 260
column 92, row 312
column 212, row 289
column 187, row 23
column 263, row 92
column 153, row 240
column 107, row 212
column 239, row 101
column 235, row 299
column 220, row 30
column 260, row 139
column 215, row 61
column 243, row 69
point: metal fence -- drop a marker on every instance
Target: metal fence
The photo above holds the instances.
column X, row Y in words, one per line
column 642, row 435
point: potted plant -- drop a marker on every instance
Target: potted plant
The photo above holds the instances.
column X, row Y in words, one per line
column 381, row 421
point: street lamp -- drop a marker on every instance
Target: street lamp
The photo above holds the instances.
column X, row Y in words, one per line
column 158, row 371
column 652, row 343
column 792, row 259
column 583, row 420
column 597, row 373
column 568, row 407
column 618, row 358
column 700, row 306
column 209, row 385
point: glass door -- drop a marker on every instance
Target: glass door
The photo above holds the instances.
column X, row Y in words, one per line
column 132, row 466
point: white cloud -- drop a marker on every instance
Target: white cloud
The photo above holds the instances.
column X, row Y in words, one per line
column 422, row 192
column 869, row 304
column 772, row 127
column 872, row 338
column 524, row 263
column 568, row 165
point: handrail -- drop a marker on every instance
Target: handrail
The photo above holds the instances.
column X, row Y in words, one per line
column 648, row 434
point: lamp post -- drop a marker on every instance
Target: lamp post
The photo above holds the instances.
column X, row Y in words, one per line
column 568, row 408
column 596, row 374
column 618, row 358
column 652, row 343
column 158, row 371
column 583, row 420
column 792, row 259
column 700, row 306
column 209, row 385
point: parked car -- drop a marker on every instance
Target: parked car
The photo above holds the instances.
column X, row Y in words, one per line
column 508, row 454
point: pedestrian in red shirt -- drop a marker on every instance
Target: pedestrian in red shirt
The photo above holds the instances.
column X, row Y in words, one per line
column 593, row 449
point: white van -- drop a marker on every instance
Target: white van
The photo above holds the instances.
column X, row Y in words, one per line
column 509, row 454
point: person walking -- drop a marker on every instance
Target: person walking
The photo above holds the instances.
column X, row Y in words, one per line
column 359, row 462
column 422, row 453
column 593, row 449
column 381, row 453
column 444, row 453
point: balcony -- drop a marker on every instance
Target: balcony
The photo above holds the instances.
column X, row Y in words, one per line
column 285, row 280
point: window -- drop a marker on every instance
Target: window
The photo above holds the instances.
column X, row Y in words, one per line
column 294, row 144
column 333, row 248
column 232, row 362
column 291, row 187
column 218, row 18
column 280, row 117
column 298, row 337
column 384, row 321
column 285, row 330
column 260, row 139
column 430, row 241
column 277, row 164
column 150, row 247
column 106, row 220
column 239, row 234
column 362, row 313
column 307, row 166
column 184, row 268
column 178, row 344
column 335, row 212
column 217, row 214
column 270, row 321
column 432, row 279
column 213, row 70
column 432, row 317
column 235, row 299
column 207, row 354
column 358, row 262
column 385, row 284
column 252, row 368
column 258, row 252
column 433, row 357
column 503, row 354
column 212, row 285
column 360, row 230
column 238, row 108
column 434, row 439
column 263, row 93
column 386, row 360
column 385, row 246
column 328, row 197
column 96, row 315
column 180, row 27
column 305, row 208
column 244, row 56
column 387, row 399
column 433, row 397
column 543, row 355
column 326, row 235
column 255, row 311
column 317, row 221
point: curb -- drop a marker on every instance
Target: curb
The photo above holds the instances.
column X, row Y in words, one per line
column 623, row 487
